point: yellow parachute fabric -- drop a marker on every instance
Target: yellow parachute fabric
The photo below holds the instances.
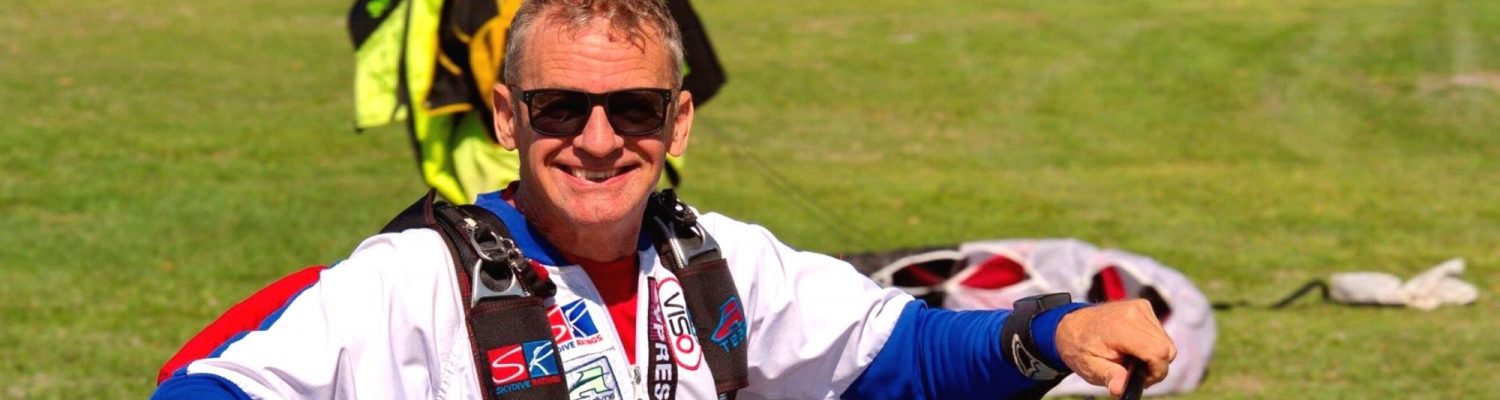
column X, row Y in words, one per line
column 377, row 66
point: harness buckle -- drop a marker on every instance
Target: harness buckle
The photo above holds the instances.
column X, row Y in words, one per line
column 667, row 201
column 672, row 214
column 494, row 273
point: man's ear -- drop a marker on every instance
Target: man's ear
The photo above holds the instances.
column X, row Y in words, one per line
column 682, row 124
column 505, row 117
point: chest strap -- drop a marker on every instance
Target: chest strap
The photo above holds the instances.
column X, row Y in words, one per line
column 713, row 301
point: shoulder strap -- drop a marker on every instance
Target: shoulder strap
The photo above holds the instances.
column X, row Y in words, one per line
column 514, row 353
column 416, row 216
column 713, row 300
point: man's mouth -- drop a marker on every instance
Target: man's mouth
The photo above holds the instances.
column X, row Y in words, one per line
column 596, row 175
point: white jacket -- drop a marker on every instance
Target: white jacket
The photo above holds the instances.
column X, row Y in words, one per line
column 388, row 323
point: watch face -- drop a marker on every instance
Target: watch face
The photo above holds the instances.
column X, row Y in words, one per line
column 1043, row 302
column 1055, row 300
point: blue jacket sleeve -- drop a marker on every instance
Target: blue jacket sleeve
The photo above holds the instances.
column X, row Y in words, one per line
column 943, row 354
column 198, row 386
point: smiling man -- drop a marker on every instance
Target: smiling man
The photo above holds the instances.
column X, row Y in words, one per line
column 593, row 112
column 593, row 107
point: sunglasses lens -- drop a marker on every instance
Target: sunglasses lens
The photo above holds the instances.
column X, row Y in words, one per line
column 559, row 112
column 637, row 112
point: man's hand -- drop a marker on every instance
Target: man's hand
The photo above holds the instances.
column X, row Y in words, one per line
column 1094, row 341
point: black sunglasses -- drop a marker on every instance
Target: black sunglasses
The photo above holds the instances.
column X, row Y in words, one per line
column 631, row 112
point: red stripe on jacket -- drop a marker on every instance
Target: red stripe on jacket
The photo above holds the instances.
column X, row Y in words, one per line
column 243, row 317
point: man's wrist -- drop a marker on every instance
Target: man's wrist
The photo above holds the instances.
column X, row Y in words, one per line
column 1044, row 331
column 1018, row 342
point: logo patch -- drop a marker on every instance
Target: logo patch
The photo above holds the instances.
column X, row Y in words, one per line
column 523, row 366
column 681, row 333
column 731, row 329
column 507, row 365
column 581, row 324
column 593, row 381
column 541, row 358
column 561, row 332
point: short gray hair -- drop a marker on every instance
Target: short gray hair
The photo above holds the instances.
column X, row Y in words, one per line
column 631, row 17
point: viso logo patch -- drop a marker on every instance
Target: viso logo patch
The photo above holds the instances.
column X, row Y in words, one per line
column 731, row 329
column 523, row 366
column 680, row 331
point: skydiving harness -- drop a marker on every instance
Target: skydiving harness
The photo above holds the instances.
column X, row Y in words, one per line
column 515, row 353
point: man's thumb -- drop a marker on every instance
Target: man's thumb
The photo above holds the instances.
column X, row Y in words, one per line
column 1116, row 381
column 1103, row 372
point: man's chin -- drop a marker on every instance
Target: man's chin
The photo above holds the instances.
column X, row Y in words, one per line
column 600, row 215
column 602, row 208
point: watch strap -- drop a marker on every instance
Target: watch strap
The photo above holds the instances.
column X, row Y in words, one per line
column 1019, row 346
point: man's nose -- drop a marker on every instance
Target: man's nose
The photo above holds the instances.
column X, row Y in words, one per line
column 598, row 137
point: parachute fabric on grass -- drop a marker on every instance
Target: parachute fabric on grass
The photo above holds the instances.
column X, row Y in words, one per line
column 994, row 274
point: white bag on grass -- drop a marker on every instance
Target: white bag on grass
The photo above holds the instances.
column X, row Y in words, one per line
column 1439, row 285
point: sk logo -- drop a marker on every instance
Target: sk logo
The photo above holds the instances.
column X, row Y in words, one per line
column 578, row 318
column 507, row 365
column 539, row 358
column 520, row 366
column 561, row 332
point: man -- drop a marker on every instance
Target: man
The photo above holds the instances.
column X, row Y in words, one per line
column 592, row 106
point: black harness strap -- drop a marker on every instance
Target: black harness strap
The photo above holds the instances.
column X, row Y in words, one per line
column 515, row 356
column 713, row 301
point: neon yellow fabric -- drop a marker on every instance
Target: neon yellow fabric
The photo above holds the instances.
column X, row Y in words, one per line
column 377, row 64
column 487, row 50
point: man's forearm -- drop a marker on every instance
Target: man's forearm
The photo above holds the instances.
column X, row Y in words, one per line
column 942, row 354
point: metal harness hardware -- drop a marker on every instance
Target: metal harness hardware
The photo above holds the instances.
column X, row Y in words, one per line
column 669, row 206
column 495, row 270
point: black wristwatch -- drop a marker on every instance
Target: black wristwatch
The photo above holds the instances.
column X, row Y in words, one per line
column 1017, row 344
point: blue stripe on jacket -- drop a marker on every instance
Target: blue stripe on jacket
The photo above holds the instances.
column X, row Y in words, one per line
column 943, row 354
column 199, row 386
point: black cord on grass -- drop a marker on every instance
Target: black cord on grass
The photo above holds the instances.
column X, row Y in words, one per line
column 1285, row 301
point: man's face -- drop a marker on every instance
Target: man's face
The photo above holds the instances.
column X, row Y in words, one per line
column 596, row 176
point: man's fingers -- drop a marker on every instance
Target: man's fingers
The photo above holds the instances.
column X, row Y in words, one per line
column 1103, row 372
column 1151, row 344
column 1157, row 372
column 1157, row 352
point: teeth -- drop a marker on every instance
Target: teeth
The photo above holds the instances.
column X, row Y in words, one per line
column 595, row 175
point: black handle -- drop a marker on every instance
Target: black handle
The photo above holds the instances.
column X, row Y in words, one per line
column 1135, row 380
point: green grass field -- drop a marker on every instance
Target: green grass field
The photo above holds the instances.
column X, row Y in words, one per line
column 163, row 159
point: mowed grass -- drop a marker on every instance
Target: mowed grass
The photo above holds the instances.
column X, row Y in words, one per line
column 161, row 160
